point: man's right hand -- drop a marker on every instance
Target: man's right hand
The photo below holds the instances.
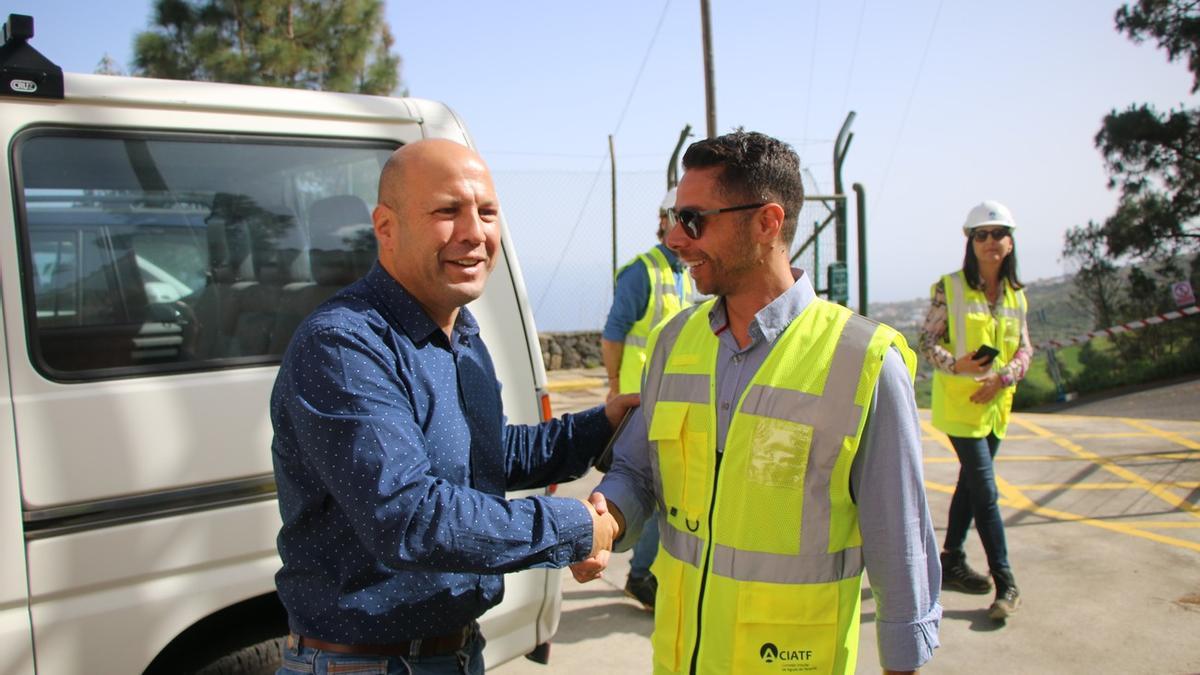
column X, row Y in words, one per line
column 604, row 526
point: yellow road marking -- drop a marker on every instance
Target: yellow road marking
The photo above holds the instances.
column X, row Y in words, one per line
column 937, row 437
column 1108, row 465
column 1166, row 524
column 1016, row 458
column 1181, row 484
column 1020, row 501
column 1092, row 418
column 574, row 385
column 939, row 487
column 1184, row 485
column 1112, row 434
column 1169, row 435
column 1100, row 435
column 1012, row 497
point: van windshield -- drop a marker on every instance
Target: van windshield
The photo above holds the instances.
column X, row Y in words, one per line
column 168, row 252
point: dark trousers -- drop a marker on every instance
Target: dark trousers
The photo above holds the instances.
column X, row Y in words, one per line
column 975, row 498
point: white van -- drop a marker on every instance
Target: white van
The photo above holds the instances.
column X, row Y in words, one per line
column 159, row 241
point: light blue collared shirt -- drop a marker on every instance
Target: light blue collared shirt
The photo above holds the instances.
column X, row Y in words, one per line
column 887, row 480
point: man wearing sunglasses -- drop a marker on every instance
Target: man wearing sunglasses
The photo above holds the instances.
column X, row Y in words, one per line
column 778, row 438
column 649, row 289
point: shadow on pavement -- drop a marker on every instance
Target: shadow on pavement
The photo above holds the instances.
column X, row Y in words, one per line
column 978, row 619
column 600, row 620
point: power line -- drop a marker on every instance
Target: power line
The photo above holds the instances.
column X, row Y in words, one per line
column 596, row 179
column 571, row 237
column 527, row 153
column 653, row 39
column 887, row 169
column 862, row 12
column 812, row 67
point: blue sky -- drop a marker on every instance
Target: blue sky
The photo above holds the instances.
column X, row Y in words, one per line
column 956, row 102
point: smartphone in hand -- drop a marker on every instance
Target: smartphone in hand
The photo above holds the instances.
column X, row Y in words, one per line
column 985, row 354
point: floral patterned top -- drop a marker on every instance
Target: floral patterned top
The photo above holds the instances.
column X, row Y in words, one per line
column 935, row 333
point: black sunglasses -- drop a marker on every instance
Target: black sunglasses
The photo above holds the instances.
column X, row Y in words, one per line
column 692, row 219
column 980, row 235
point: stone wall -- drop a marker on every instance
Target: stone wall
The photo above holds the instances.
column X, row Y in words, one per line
column 580, row 349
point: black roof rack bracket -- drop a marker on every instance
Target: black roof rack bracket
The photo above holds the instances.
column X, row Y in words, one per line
column 24, row 72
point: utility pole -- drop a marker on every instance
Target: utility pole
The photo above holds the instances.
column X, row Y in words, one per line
column 710, row 86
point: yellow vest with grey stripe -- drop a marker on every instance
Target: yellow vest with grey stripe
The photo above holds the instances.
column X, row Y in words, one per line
column 970, row 323
column 663, row 303
column 760, row 560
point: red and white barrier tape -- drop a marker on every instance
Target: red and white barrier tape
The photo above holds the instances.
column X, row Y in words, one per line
column 1123, row 328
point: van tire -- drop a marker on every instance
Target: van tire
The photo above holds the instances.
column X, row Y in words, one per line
column 263, row 658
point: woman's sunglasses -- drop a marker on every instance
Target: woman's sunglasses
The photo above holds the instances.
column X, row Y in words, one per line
column 693, row 219
column 997, row 234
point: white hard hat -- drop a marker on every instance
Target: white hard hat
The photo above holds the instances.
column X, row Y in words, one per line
column 668, row 201
column 989, row 212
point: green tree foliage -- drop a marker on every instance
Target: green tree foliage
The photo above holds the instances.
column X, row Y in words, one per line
column 1174, row 24
column 1153, row 157
column 1155, row 160
column 331, row 45
column 1125, row 265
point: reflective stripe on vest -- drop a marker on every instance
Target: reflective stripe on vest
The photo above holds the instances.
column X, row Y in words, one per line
column 970, row 323
column 812, row 554
column 663, row 302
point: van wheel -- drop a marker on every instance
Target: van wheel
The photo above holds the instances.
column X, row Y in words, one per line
column 263, row 658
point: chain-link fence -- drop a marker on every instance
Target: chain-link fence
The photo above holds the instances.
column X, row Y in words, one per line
column 821, row 251
column 562, row 222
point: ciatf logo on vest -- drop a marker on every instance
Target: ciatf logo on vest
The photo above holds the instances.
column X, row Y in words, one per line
column 788, row 660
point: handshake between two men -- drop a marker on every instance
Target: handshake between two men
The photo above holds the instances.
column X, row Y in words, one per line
column 607, row 521
column 607, row 526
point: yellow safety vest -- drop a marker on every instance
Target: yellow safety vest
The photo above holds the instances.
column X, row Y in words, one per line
column 663, row 303
column 760, row 560
column 970, row 324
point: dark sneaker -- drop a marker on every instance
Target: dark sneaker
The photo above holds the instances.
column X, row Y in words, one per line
column 642, row 589
column 958, row 576
column 1006, row 604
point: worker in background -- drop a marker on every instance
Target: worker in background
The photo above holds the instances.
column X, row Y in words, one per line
column 649, row 289
column 977, row 337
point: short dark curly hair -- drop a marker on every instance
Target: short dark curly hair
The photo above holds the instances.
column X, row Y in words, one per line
column 754, row 167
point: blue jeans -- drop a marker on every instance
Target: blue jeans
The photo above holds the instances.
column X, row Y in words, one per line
column 975, row 497
column 309, row 661
column 645, row 550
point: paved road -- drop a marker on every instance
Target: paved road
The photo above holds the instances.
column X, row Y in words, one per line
column 1176, row 400
column 1103, row 524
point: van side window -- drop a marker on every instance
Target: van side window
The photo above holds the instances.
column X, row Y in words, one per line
column 146, row 252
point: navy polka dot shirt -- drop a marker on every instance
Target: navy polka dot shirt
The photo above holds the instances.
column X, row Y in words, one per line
column 392, row 458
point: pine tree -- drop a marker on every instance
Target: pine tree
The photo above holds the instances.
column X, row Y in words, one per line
column 1153, row 157
column 108, row 66
column 331, row 45
column 1125, row 263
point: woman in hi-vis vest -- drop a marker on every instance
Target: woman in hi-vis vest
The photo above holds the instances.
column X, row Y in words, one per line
column 976, row 337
